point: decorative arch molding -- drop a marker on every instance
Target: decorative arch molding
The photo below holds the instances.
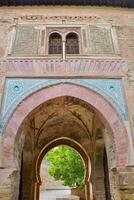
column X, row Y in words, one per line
column 106, row 111
column 75, row 145
column 17, row 89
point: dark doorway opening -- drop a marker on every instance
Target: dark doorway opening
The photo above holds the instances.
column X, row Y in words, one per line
column 106, row 177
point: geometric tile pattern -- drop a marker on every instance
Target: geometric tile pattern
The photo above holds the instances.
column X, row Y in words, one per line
column 16, row 89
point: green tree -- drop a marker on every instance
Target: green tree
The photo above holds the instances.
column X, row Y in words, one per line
column 66, row 166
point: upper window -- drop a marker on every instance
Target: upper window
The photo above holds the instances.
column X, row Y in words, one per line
column 72, row 43
column 55, row 43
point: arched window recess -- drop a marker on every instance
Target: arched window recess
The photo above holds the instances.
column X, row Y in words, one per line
column 72, row 43
column 55, row 43
column 68, row 45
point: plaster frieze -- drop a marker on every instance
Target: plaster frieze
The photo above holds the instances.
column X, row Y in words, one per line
column 62, row 18
column 53, row 19
column 71, row 66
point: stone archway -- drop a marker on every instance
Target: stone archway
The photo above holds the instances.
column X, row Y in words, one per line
column 56, row 118
column 60, row 117
column 105, row 110
column 17, row 137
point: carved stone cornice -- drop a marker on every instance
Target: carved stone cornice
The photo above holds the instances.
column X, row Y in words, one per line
column 53, row 19
column 15, row 19
column 56, row 17
column 83, row 66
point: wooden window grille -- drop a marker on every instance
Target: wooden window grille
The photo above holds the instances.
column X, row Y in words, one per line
column 55, row 43
column 72, row 43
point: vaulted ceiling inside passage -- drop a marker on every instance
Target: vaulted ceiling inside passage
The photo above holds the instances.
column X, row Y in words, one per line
column 120, row 3
column 64, row 116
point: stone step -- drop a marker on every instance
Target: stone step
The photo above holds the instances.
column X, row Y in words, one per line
column 68, row 197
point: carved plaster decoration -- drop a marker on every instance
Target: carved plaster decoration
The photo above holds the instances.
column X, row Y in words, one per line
column 130, row 75
column 43, row 18
column 6, row 19
column 97, row 39
column 16, row 89
column 73, row 66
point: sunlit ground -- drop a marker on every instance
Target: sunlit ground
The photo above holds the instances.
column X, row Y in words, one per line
column 53, row 194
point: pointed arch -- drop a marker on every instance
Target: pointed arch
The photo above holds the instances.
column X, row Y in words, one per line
column 105, row 110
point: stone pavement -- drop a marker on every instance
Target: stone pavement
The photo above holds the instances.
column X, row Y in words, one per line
column 53, row 194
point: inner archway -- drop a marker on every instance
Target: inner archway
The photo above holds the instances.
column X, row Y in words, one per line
column 69, row 167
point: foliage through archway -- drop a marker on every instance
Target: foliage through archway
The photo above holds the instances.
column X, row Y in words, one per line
column 66, row 165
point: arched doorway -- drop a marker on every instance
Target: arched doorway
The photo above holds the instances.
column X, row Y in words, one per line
column 62, row 173
column 53, row 123
column 81, row 151
column 65, row 100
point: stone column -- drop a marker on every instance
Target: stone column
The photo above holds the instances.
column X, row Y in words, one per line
column 11, row 39
column 9, row 184
column 64, row 50
column 114, row 184
column 126, row 183
column 42, row 45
